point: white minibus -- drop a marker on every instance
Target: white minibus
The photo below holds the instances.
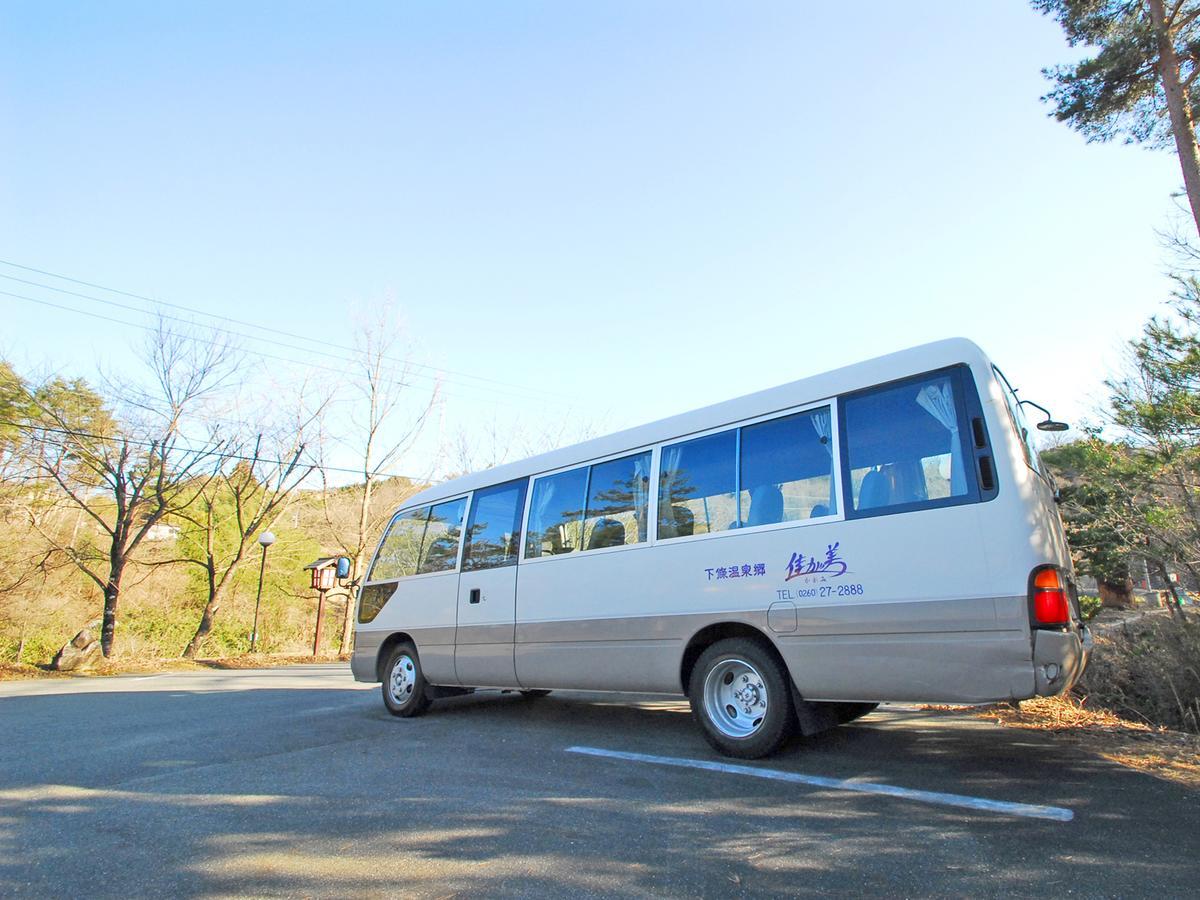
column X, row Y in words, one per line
column 787, row 560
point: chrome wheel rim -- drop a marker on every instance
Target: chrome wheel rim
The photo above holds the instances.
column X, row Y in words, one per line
column 735, row 698
column 402, row 680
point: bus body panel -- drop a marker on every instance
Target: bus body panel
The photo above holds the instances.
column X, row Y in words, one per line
column 927, row 604
column 426, row 608
column 483, row 642
column 918, row 594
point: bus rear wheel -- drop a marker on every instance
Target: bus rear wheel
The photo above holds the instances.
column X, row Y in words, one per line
column 741, row 699
column 404, row 687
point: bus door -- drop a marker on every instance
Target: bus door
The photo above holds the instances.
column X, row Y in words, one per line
column 487, row 588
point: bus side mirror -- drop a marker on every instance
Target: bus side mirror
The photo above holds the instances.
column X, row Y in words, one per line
column 1052, row 425
column 343, row 567
column 1047, row 424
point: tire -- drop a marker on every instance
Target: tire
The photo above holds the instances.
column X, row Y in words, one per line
column 534, row 694
column 404, row 687
column 741, row 698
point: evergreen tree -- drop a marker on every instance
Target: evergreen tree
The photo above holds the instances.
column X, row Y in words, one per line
column 1142, row 81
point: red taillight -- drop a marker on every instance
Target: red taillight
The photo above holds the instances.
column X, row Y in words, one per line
column 1050, row 606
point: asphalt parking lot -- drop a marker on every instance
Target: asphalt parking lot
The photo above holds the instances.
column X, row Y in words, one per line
column 295, row 782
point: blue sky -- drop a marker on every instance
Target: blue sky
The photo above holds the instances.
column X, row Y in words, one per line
column 640, row 207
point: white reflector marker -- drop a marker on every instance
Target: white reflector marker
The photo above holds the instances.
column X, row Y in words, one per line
column 1029, row 810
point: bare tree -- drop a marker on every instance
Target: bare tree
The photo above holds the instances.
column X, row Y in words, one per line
column 387, row 415
column 129, row 469
column 490, row 443
column 249, row 490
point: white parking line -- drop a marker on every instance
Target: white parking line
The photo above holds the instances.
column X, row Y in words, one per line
column 1029, row 810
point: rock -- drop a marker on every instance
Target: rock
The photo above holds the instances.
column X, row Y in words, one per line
column 81, row 652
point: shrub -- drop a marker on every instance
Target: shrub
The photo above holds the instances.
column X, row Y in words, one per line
column 149, row 631
column 40, row 646
column 1089, row 606
column 1149, row 670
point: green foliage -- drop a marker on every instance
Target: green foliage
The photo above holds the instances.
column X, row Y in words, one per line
column 1141, row 494
column 1149, row 670
column 76, row 405
column 1118, row 90
column 159, row 630
column 14, row 405
column 1089, row 606
column 1159, row 402
column 1098, row 511
column 40, row 646
column 227, row 638
column 209, row 535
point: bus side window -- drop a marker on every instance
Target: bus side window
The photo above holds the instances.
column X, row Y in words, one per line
column 697, row 488
column 372, row 598
column 439, row 550
column 494, row 529
column 556, row 513
column 905, row 444
column 787, row 469
column 617, row 502
column 400, row 549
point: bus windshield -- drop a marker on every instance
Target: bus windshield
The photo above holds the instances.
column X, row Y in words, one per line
column 1016, row 416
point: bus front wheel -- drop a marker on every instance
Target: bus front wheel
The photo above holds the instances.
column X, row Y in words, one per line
column 404, row 688
column 741, row 699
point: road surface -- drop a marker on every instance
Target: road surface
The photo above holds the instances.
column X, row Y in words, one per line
column 295, row 782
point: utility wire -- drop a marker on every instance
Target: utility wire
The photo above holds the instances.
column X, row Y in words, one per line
column 289, row 334
column 95, row 315
column 408, row 366
column 194, row 450
column 261, row 353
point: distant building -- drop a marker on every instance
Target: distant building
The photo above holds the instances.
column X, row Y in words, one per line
column 162, row 532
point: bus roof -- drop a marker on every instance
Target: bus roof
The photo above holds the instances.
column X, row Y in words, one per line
column 856, row 376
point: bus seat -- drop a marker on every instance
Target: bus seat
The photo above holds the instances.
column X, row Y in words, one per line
column 819, row 510
column 606, row 533
column 911, row 480
column 875, row 491
column 906, row 482
column 766, row 505
column 681, row 523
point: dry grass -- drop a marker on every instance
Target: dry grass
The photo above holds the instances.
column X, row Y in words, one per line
column 18, row 671
column 129, row 666
column 1171, row 755
column 1148, row 669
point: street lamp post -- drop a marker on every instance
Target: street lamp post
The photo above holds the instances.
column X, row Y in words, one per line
column 265, row 540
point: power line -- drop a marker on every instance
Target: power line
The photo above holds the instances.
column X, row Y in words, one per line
column 196, row 338
column 408, row 366
column 95, row 315
column 266, row 328
column 193, row 450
